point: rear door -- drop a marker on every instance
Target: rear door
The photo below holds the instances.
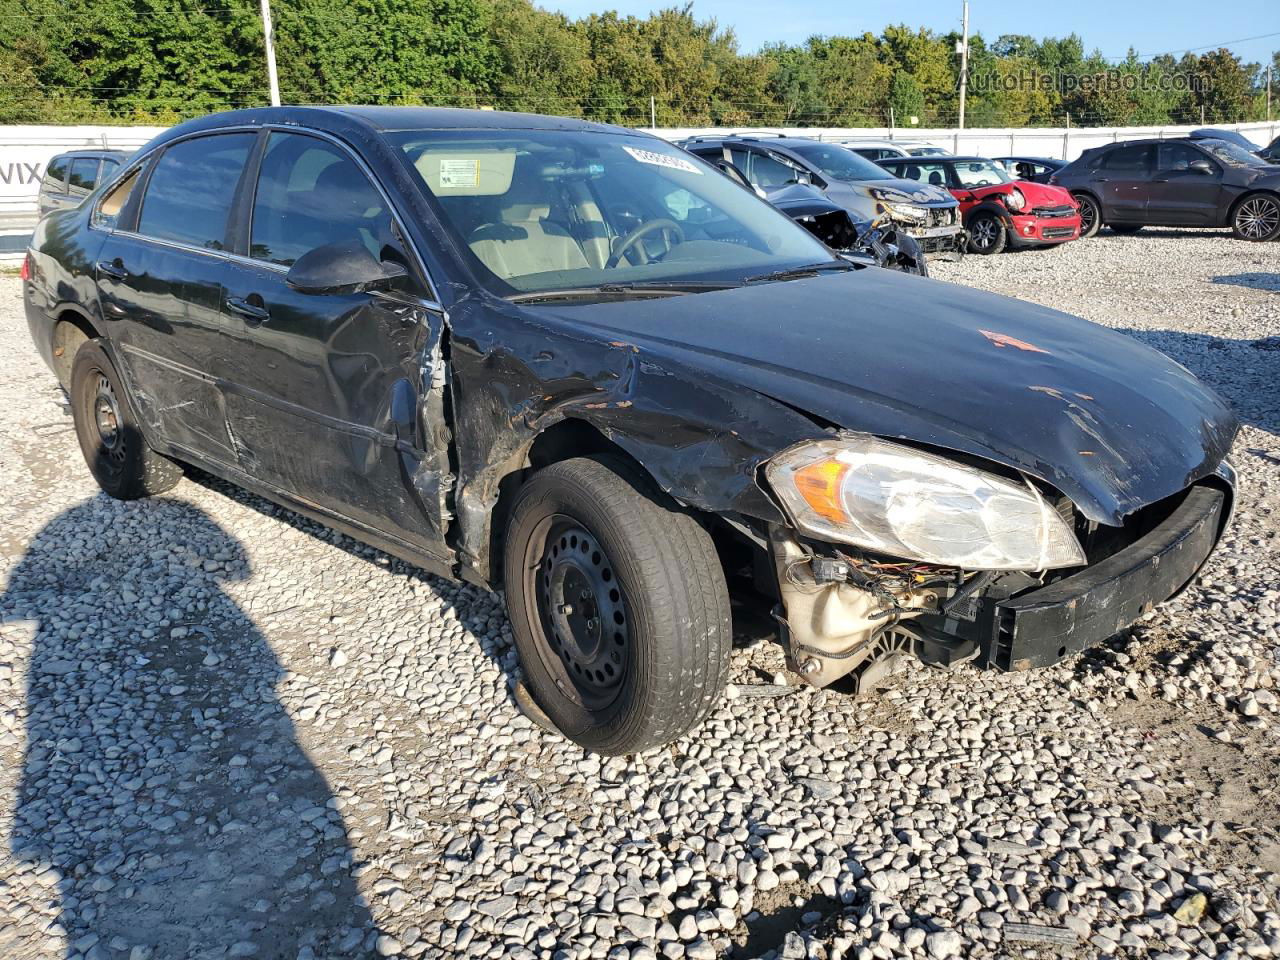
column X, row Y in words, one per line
column 334, row 399
column 1123, row 181
column 160, row 280
column 1180, row 196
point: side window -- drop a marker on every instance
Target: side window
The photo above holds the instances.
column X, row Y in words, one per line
column 55, row 176
column 189, row 195
column 310, row 193
column 1132, row 159
column 1177, row 156
column 769, row 172
column 83, row 176
column 109, row 208
column 109, row 167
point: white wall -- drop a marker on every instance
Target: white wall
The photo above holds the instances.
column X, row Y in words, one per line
column 24, row 153
column 1060, row 142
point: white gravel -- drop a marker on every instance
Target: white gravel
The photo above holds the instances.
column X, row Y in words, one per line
column 226, row 732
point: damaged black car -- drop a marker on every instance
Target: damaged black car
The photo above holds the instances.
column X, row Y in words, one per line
column 571, row 362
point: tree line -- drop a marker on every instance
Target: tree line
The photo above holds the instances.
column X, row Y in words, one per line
column 159, row 61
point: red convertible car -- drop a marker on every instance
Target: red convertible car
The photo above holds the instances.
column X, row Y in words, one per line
column 997, row 210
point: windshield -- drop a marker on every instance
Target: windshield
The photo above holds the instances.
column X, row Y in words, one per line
column 1232, row 153
column 840, row 163
column 544, row 210
column 981, row 173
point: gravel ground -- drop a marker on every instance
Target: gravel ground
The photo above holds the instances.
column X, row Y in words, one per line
column 225, row 731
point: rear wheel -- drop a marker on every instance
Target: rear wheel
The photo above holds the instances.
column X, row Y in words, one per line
column 1090, row 215
column 618, row 605
column 987, row 234
column 1256, row 218
column 113, row 447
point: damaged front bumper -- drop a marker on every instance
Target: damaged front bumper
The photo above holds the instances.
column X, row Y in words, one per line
column 833, row 629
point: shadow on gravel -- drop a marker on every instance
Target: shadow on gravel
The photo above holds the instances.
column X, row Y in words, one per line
column 1252, row 281
column 1245, row 372
column 165, row 801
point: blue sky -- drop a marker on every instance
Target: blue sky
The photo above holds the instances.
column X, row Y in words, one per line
column 1111, row 26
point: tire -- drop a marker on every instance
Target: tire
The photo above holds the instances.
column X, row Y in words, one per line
column 113, row 446
column 987, row 234
column 1125, row 229
column 1256, row 218
column 592, row 532
column 1090, row 215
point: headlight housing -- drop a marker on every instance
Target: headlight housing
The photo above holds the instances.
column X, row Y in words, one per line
column 907, row 211
column 1014, row 199
column 893, row 499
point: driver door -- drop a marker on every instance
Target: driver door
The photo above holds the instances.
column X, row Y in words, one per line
column 1180, row 196
column 330, row 396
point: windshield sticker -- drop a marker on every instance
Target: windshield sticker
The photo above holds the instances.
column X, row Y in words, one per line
column 457, row 174
column 662, row 160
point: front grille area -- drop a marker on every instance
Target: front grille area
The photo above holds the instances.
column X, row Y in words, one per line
column 942, row 218
column 1049, row 213
column 1051, row 233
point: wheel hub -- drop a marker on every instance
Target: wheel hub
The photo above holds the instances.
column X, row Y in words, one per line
column 1258, row 218
column 106, row 415
column 584, row 611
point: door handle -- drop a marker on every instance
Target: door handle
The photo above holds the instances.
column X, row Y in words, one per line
column 1099, row 179
column 251, row 312
column 112, row 269
column 1160, row 180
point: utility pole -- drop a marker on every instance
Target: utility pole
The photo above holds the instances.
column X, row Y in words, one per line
column 1268, row 93
column 653, row 111
column 964, row 60
column 269, row 38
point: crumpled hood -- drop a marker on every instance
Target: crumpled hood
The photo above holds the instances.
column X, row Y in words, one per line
column 898, row 190
column 1109, row 422
column 1037, row 194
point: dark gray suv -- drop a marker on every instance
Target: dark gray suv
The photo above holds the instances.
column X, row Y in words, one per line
column 72, row 176
column 1179, row 182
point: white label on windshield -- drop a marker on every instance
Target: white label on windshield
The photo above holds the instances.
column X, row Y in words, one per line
column 662, row 160
column 459, row 173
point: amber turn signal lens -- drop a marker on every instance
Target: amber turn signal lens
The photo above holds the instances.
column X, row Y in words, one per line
column 819, row 485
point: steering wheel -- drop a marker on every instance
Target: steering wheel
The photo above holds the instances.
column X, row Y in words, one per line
column 668, row 228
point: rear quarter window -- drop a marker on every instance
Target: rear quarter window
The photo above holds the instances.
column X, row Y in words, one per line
column 55, row 175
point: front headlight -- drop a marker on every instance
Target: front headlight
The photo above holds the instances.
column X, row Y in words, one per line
column 892, row 499
column 1015, row 200
column 907, row 211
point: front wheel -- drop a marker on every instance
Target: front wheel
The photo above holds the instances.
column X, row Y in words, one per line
column 987, row 234
column 117, row 454
column 618, row 605
column 1090, row 215
column 1257, row 218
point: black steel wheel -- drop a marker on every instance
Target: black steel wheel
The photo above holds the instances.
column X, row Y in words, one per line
column 618, row 606
column 118, row 456
column 1256, row 218
column 582, row 609
column 987, row 234
column 1090, row 215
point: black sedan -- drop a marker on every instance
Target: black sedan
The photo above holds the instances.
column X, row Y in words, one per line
column 571, row 361
column 1180, row 182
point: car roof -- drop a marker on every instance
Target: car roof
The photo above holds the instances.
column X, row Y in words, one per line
column 96, row 154
column 354, row 120
column 938, row 159
column 1021, row 156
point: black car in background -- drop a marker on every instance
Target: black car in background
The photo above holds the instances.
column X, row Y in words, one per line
column 1031, row 169
column 929, row 215
column 72, row 176
column 570, row 361
column 1179, row 182
column 1231, row 136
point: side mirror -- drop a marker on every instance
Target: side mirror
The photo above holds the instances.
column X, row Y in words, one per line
column 1200, row 166
column 343, row 267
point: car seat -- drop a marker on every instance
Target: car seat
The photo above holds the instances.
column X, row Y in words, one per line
column 521, row 240
column 935, row 178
